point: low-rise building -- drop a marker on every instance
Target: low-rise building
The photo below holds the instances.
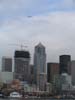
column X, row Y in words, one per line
column 16, row 84
column 66, row 82
column 6, row 64
column 43, row 81
column 6, row 77
column 49, row 88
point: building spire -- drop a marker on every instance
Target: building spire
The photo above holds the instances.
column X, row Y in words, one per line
column 40, row 45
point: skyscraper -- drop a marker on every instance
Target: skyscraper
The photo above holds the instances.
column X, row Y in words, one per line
column 39, row 62
column 64, row 61
column 7, row 64
column 73, row 71
column 52, row 71
column 22, row 65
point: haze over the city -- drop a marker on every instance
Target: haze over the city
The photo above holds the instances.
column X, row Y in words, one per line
column 28, row 22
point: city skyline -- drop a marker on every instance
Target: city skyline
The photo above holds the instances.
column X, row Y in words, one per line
column 52, row 24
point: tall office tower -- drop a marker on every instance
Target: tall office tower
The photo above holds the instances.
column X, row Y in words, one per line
column 6, row 64
column 73, row 71
column 22, row 65
column 69, row 68
column 52, row 71
column 64, row 60
column 39, row 62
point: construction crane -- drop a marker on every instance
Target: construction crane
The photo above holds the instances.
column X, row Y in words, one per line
column 19, row 45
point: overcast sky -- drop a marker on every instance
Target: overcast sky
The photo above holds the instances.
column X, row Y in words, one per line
column 28, row 22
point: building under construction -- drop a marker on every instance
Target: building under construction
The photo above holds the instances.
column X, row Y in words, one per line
column 22, row 65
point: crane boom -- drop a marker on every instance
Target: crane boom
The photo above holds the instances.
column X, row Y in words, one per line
column 19, row 45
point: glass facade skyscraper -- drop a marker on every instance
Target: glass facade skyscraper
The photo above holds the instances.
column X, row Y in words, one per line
column 39, row 62
column 64, row 63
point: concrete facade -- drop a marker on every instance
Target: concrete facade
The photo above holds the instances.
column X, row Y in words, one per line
column 6, row 64
column 66, row 81
column 42, row 81
column 6, row 77
column 49, row 88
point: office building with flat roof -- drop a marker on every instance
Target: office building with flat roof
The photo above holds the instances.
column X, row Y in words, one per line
column 64, row 60
column 52, row 71
column 6, row 64
column 22, row 65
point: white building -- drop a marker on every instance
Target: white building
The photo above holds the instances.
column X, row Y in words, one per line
column 6, row 77
column 39, row 62
column 66, row 81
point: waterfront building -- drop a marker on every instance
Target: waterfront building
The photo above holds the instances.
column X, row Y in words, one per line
column 64, row 60
column 6, row 77
column 49, row 88
column 56, row 84
column 52, row 70
column 6, row 64
column 66, row 82
column 42, row 81
column 16, row 84
column 39, row 62
column 22, row 65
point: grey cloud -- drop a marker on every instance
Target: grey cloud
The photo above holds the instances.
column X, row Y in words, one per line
column 56, row 31
column 69, row 3
column 31, row 7
column 65, row 4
